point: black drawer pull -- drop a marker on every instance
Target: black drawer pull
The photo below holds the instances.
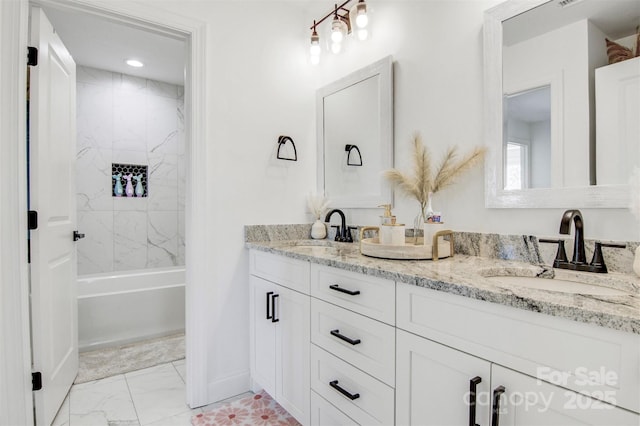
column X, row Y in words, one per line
column 495, row 411
column 336, row 287
column 269, row 314
column 351, row 396
column 473, row 383
column 273, row 308
column 345, row 338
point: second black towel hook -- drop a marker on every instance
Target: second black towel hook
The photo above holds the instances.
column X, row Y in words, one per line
column 349, row 148
column 282, row 140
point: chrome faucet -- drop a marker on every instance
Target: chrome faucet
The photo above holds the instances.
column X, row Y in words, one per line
column 343, row 232
column 579, row 255
column 579, row 259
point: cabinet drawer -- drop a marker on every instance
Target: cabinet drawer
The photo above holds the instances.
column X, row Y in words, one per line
column 325, row 414
column 375, row 296
column 291, row 273
column 372, row 348
column 584, row 358
column 374, row 404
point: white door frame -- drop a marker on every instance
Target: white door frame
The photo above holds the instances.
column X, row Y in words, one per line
column 16, row 406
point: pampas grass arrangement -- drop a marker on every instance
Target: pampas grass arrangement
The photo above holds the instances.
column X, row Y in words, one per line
column 318, row 205
column 424, row 180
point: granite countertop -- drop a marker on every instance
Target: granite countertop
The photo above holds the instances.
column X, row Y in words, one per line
column 467, row 276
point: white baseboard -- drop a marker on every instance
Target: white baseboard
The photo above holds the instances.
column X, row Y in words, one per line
column 228, row 386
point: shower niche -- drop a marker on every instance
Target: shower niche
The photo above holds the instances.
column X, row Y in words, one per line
column 129, row 180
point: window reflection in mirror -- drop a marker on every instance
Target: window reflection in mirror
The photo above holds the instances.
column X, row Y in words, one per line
column 527, row 139
column 563, row 43
column 533, row 43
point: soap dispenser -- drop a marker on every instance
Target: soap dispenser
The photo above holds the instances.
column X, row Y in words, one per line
column 388, row 218
column 391, row 233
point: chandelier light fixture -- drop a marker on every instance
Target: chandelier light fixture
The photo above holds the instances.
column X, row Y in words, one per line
column 341, row 28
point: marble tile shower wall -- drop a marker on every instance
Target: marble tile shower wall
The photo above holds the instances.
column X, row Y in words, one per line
column 131, row 120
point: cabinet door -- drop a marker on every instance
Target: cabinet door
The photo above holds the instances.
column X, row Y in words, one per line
column 292, row 353
column 262, row 334
column 433, row 384
column 529, row 402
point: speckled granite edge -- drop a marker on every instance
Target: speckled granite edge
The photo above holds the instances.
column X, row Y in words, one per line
column 461, row 276
column 523, row 248
column 254, row 233
column 474, row 251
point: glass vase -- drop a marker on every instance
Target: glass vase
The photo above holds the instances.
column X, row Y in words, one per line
column 418, row 226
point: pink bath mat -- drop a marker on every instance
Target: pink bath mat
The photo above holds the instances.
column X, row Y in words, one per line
column 255, row 410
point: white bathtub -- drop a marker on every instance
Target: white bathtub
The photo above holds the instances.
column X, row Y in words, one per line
column 124, row 307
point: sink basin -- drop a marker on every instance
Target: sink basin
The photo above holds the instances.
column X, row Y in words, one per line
column 555, row 284
column 316, row 248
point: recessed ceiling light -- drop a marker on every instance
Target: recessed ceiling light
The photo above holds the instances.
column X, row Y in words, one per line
column 134, row 63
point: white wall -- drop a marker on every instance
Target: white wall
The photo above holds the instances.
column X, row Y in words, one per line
column 541, row 154
column 260, row 85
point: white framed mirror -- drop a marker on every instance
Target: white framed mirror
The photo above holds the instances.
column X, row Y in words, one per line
column 355, row 137
column 542, row 64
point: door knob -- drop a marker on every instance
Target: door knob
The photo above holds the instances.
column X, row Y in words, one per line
column 77, row 236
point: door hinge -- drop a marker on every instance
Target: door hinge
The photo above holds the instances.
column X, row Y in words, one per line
column 32, row 56
column 36, row 380
column 32, row 220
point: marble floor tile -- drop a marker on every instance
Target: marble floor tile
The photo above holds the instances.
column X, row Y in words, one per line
column 181, row 367
column 158, row 393
column 182, row 419
column 152, row 396
column 102, row 402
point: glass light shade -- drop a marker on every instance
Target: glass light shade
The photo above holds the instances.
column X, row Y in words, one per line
column 337, row 30
column 363, row 34
column 362, row 19
column 314, row 47
column 315, row 59
column 336, row 47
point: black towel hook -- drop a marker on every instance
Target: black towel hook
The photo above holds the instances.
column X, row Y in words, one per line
column 282, row 140
column 350, row 148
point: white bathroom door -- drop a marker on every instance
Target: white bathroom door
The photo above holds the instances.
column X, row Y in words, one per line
column 52, row 130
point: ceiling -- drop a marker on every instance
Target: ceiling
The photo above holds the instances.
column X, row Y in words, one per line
column 531, row 106
column 102, row 43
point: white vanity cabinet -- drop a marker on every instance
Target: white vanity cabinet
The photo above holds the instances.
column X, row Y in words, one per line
column 353, row 348
column 511, row 349
column 279, row 330
column 336, row 347
column 436, row 384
